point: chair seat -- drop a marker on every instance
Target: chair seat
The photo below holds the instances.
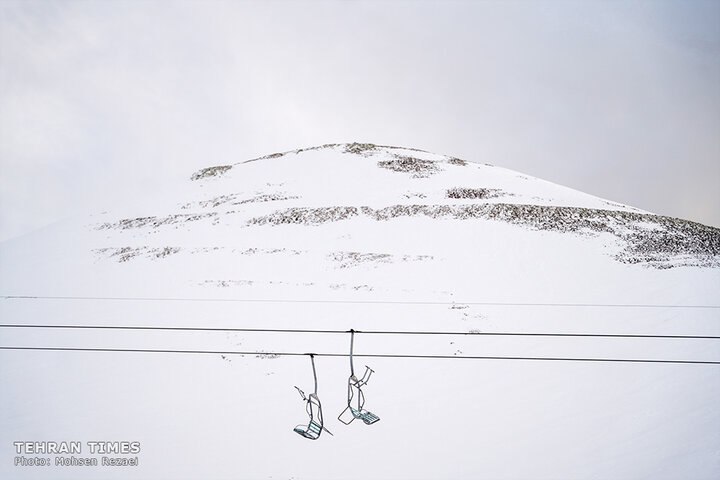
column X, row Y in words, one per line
column 364, row 415
column 312, row 431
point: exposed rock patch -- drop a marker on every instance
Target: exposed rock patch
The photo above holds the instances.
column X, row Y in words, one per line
column 125, row 254
column 353, row 259
column 306, row 216
column 458, row 162
column 210, row 172
column 661, row 245
column 236, row 199
column 417, row 167
column 360, row 148
column 153, row 222
column 475, row 193
column 248, row 283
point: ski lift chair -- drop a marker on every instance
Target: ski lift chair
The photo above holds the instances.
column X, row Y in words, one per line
column 356, row 397
column 314, row 427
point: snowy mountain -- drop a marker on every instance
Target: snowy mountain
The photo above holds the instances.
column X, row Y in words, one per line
column 367, row 237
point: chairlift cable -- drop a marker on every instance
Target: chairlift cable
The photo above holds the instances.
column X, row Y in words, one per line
column 366, row 355
column 366, row 332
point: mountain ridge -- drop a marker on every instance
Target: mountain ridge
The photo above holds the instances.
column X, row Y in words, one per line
column 650, row 239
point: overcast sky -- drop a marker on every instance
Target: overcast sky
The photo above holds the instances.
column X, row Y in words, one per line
column 103, row 101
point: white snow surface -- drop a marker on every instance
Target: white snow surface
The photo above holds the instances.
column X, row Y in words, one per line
column 228, row 417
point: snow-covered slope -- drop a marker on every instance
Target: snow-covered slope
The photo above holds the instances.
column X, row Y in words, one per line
column 417, row 241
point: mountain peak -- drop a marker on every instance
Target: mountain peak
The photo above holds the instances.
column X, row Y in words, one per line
column 361, row 182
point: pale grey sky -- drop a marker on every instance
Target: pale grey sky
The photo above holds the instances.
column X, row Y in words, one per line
column 101, row 101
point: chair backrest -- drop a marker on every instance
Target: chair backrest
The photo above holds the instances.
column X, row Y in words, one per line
column 315, row 409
